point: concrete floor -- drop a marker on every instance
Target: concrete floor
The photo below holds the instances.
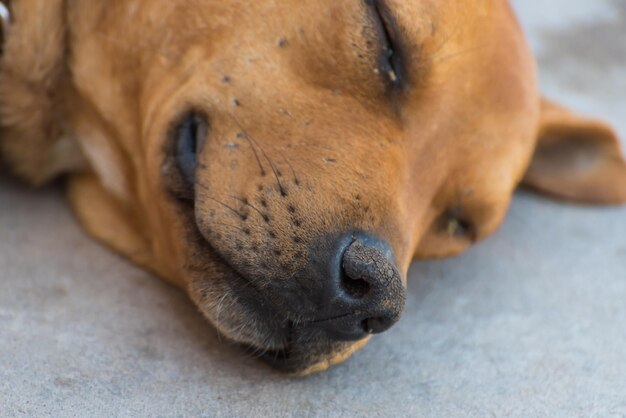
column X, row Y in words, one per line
column 529, row 323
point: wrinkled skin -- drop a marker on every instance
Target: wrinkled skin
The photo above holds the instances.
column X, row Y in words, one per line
column 308, row 137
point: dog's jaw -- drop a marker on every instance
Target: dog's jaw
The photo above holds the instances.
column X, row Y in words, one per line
column 298, row 351
column 334, row 359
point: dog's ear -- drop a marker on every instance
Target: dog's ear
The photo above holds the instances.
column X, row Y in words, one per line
column 34, row 142
column 577, row 159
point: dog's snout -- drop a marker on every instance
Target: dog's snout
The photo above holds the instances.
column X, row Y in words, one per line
column 365, row 293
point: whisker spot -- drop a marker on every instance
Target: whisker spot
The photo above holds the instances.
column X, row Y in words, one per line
column 282, row 42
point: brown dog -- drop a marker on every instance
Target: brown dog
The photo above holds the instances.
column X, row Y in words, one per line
column 285, row 161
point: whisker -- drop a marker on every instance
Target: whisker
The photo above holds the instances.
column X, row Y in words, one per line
column 219, row 201
column 308, row 145
column 274, row 170
column 272, row 166
column 247, row 203
column 230, row 226
column 293, row 172
column 247, row 138
column 244, row 201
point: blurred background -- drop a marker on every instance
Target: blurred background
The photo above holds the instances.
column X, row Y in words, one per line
column 532, row 322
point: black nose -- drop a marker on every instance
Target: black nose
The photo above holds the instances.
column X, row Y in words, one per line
column 365, row 293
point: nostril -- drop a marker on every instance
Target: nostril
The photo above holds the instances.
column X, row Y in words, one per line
column 365, row 267
column 355, row 288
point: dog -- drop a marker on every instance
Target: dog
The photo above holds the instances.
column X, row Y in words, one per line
column 284, row 162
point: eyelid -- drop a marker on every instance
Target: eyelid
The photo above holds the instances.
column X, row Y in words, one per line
column 390, row 54
column 186, row 137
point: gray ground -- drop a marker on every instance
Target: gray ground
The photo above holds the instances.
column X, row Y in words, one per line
column 529, row 323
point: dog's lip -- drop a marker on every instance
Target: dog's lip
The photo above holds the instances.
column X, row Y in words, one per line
column 219, row 258
column 238, row 286
column 334, row 318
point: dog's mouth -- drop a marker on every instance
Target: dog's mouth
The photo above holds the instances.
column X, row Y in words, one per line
column 242, row 312
column 306, row 347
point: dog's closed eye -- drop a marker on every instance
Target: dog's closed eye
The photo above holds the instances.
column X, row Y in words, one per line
column 390, row 58
column 187, row 138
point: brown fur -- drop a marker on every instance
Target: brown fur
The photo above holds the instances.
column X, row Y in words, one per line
column 305, row 139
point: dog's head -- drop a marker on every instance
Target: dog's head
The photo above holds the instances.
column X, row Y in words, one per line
column 285, row 162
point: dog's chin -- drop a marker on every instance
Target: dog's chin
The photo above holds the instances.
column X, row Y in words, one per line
column 239, row 311
column 308, row 353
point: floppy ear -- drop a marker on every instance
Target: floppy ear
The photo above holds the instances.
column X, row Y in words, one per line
column 34, row 140
column 577, row 159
